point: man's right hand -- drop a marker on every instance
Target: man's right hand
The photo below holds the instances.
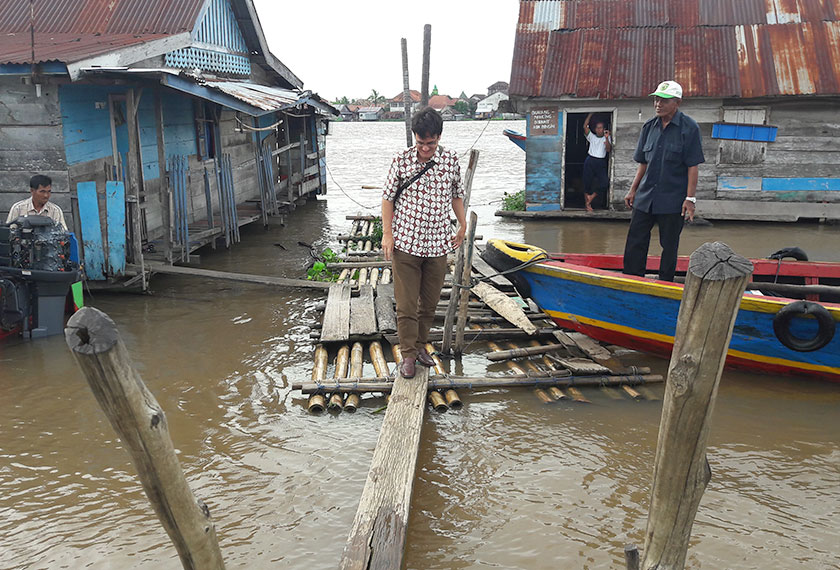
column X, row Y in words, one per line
column 629, row 198
column 388, row 245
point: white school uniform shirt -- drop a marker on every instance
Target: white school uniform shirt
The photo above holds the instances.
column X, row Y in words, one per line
column 597, row 145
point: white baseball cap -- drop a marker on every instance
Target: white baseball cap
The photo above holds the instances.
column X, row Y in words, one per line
column 668, row 90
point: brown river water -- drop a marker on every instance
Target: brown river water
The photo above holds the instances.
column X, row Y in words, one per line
column 506, row 482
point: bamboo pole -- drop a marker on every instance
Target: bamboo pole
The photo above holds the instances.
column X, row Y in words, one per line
column 317, row 403
column 453, row 400
column 409, row 140
column 141, row 424
column 374, row 277
column 357, row 354
column 517, row 380
column 539, row 392
column 463, row 301
column 342, row 361
column 452, row 308
column 714, row 285
column 377, row 356
column 553, row 391
column 439, row 404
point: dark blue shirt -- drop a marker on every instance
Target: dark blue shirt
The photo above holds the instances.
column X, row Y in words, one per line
column 668, row 153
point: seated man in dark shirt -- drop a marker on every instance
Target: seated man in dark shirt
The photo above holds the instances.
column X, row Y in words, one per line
column 662, row 193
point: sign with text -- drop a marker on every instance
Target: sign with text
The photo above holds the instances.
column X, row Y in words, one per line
column 544, row 121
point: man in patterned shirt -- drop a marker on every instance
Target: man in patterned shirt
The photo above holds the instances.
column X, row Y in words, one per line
column 417, row 234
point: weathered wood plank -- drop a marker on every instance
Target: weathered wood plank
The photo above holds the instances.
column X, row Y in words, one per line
column 504, row 306
column 115, row 206
column 243, row 277
column 336, row 324
column 484, row 268
column 362, row 313
column 386, row 318
column 92, row 245
column 377, row 539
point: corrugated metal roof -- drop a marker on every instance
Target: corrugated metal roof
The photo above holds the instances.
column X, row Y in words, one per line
column 73, row 30
column 101, row 16
column 16, row 48
column 612, row 49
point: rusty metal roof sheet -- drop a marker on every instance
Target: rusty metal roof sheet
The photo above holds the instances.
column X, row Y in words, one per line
column 73, row 30
column 612, row 49
column 17, row 48
column 105, row 17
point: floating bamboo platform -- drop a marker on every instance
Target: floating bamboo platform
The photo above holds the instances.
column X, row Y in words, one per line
column 358, row 321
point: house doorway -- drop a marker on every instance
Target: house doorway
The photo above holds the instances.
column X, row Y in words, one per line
column 575, row 154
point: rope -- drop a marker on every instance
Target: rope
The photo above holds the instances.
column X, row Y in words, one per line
column 533, row 261
column 345, row 193
column 250, row 128
column 479, row 136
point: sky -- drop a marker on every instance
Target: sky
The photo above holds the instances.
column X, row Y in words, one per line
column 348, row 49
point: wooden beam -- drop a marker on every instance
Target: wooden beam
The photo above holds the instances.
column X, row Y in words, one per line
column 243, row 277
column 135, row 177
column 377, row 539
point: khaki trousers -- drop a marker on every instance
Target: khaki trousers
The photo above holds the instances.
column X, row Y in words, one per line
column 417, row 285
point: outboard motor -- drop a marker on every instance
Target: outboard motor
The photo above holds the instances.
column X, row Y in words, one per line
column 35, row 275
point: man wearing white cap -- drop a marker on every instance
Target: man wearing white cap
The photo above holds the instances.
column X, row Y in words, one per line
column 663, row 189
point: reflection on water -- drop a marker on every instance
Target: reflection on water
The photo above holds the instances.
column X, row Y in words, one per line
column 504, row 483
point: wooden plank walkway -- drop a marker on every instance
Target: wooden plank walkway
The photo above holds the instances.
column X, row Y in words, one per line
column 337, row 314
column 362, row 314
column 377, row 539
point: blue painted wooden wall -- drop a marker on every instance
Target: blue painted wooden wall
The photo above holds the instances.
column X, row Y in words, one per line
column 216, row 27
column 87, row 129
column 544, row 168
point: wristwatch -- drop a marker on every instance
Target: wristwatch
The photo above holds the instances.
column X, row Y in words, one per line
column 691, row 199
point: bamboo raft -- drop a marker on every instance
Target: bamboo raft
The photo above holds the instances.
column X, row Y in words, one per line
column 358, row 318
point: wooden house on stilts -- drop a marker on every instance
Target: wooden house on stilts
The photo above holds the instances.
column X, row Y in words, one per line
column 761, row 78
column 165, row 125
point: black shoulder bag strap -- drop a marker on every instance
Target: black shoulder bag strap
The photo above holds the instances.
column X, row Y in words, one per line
column 412, row 180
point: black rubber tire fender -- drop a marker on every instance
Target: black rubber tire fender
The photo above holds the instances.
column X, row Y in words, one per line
column 782, row 319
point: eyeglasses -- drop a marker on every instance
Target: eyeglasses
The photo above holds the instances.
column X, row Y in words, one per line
column 427, row 143
column 663, row 100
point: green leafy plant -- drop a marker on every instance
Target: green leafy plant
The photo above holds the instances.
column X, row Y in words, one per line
column 376, row 233
column 514, row 202
column 319, row 272
column 329, row 256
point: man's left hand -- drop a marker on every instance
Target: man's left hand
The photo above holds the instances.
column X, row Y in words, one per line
column 458, row 238
column 688, row 210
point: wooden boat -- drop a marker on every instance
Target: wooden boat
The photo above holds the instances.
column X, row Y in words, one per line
column 515, row 137
column 772, row 334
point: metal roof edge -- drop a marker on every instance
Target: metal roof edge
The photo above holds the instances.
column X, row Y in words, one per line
column 130, row 54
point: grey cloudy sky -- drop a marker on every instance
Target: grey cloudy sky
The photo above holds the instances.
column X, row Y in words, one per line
column 340, row 48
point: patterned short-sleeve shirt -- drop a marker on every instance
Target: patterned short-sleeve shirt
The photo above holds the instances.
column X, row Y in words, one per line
column 421, row 224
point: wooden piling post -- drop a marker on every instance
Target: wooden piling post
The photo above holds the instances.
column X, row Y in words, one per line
column 141, row 424
column 452, row 308
column 424, row 78
column 714, row 284
column 409, row 139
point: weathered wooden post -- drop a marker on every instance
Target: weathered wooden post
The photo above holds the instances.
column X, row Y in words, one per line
column 454, row 296
column 140, row 422
column 424, row 78
column 714, row 285
column 409, row 139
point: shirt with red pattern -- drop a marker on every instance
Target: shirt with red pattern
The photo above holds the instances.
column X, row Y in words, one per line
column 421, row 225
